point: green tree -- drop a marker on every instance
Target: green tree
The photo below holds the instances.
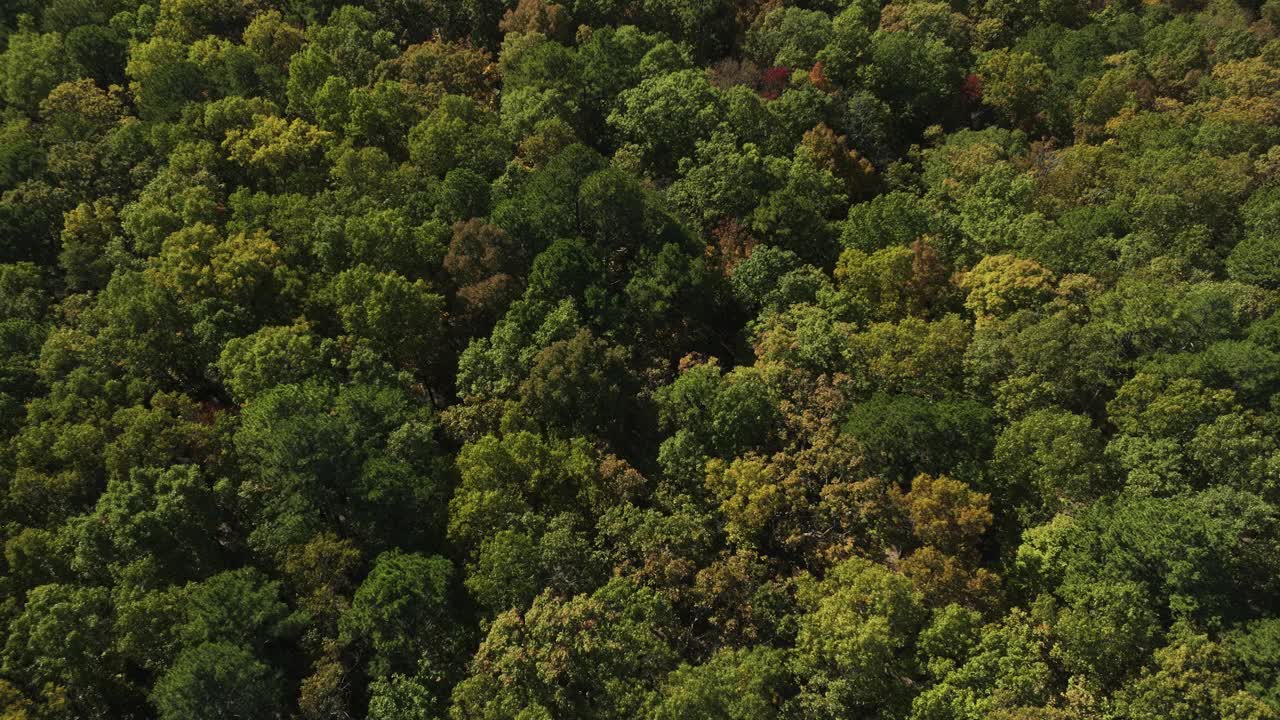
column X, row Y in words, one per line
column 1192, row 678
column 151, row 527
column 905, row 435
column 217, row 681
column 399, row 612
column 362, row 460
column 1014, row 84
column 458, row 134
column 664, row 116
column 161, row 78
column 577, row 386
column 733, row 685
column 916, row 75
column 1007, row 668
column 32, row 65
column 592, row 655
column 399, row 316
column 852, row 647
column 271, row 356
column 1249, row 261
column 62, row 638
column 788, row 37
column 503, row 479
column 1049, row 461
column 89, row 235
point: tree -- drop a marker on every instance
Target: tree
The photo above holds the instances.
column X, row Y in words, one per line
column 177, row 197
column 484, row 264
column 912, row 357
column 540, row 81
column 905, row 435
column 1000, row 284
column 381, row 115
column 611, row 211
column 276, row 148
column 361, row 460
column 389, row 240
column 799, row 216
column 1249, row 261
column 892, row 219
column 388, row 310
column 788, row 37
column 723, row 179
column 577, row 386
column 514, row 566
column 20, row 155
column 217, row 681
column 501, row 480
column 31, row 66
column 188, row 20
column 732, row 685
column 458, row 134
column 239, row 607
column 197, row 264
column 915, row 75
column 544, row 209
column 946, row 514
column 832, row 153
column 1107, row 631
column 399, row 611
column 161, row 78
column 1253, row 648
column 593, row 655
column 272, row 40
column 99, row 49
column 1192, row 679
column 949, row 520
column 1128, row 539
column 566, row 269
column 451, row 67
column 271, row 356
column 1014, row 84
column 892, row 282
column 79, row 111
column 152, row 525
column 463, row 195
column 664, row 116
column 1048, row 461
column 89, row 233
column 1007, row 668
column 355, row 41
column 723, row 412
column 754, row 496
column 609, row 62
column 549, row 19
column 61, row 639
column 853, row 640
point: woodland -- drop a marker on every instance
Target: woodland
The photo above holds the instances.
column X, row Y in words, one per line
column 640, row 359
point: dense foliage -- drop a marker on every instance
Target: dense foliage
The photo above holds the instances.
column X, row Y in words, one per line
column 640, row 359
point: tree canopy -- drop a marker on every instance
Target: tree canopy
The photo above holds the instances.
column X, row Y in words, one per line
column 550, row 359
